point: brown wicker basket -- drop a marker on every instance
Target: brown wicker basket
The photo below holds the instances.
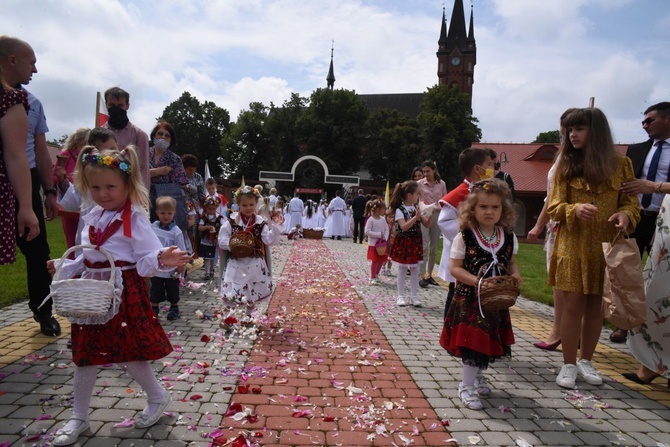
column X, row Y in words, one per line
column 497, row 293
column 241, row 244
column 310, row 233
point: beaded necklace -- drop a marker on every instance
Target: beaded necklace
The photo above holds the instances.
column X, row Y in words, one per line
column 491, row 241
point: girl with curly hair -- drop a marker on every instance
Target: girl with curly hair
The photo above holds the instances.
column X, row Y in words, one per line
column 486, row 220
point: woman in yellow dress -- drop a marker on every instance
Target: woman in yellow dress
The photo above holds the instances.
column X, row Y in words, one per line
column 586, row 202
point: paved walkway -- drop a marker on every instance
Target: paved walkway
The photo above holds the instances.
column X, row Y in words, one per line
column 333, row 362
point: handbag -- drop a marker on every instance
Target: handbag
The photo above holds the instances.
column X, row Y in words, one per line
column 624, row 303
column 381, row 247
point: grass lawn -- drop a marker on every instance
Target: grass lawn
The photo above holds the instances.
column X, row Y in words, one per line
column 13, row 286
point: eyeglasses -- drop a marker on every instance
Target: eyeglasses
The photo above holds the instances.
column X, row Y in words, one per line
column 648, row 121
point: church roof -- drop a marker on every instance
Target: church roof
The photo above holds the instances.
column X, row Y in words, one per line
column 407, row 103
column 529, row 163
column 457, row 33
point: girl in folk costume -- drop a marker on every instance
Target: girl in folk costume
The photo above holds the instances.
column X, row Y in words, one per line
column 248, row 278
column 486, row 218
column 129, row 335
column 407, row 248
column 209, row 226
column 377, row 232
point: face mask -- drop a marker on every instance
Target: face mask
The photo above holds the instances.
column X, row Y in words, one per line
column 489, row 172
column 118, row 117
column 161, row 143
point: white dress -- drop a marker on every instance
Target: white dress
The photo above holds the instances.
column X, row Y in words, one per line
column 247, row 280
column 321, row 216
column 336, row 224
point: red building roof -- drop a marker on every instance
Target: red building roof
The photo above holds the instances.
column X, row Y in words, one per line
column 529, row 163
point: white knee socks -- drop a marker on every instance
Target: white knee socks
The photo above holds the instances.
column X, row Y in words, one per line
column 145, row 376
column 469, row 375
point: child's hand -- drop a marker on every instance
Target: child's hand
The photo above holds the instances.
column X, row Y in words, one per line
column 586, row 211
column 621, row 221
column 173, row 257
column 518, row 277
column 51, row 267
column 181, row 268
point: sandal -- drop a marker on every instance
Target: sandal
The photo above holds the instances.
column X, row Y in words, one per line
column 145, row 419
column 482, row 384
column 469, row 397
column 68, row 437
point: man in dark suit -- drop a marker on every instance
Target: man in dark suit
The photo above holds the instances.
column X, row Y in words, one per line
column 358, row 211
column 651, row 162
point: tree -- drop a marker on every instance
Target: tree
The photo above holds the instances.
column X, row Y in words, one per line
column 199, row 127
column 552, row 136
column 245, row 148
column 393, row 146
column 281, row 127
column 58, row 142
column 448, row 127
column 333, row 128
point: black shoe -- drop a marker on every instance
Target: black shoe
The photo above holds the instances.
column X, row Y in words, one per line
column 619, row 336
column 635, row 378
column 69, row 343
column 424, row 283
column 173, row 313
column 432, row 282
column 339, row 238
column 48, row 325
column 155, row 309
column 333, row 237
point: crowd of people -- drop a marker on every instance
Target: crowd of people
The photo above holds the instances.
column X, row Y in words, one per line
column 127, row 192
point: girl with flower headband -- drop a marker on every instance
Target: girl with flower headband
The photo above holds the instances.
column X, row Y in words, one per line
column 129, row 335
column 209, row 226
column 246, row 237
column 486, row 219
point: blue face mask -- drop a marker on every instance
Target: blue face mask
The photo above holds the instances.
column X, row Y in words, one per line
column 161, row 143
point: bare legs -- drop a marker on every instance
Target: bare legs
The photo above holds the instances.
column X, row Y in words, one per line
column 581, row 318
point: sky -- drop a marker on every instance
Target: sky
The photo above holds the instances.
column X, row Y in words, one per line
column 535, row 58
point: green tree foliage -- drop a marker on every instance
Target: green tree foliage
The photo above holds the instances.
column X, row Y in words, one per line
column 245, row 148
column 393, row 146
column 281, row 127
column 552, row 136
column 200, row 128
column 333, row 128
column 448, row 127
column 60, row 142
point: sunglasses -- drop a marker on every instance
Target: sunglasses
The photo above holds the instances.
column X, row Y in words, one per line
column 648, row 121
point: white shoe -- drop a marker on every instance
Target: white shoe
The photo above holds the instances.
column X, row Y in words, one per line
column 401, row 301
column 567, row 377
column 416, row 302
column 145, row 419
column 482, row 385
column 68, row 437
column 469, row 397
column 590, row 375
column 374, row 282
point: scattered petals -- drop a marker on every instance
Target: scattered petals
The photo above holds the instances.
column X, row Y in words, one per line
column 125, row 423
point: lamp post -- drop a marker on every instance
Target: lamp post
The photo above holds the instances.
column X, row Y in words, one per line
column 502, row 157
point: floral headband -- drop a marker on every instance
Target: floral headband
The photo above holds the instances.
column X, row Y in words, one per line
column 246, row 190
column 113, row 161
column 211, row 201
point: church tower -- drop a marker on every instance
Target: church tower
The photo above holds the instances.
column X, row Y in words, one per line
column 330, row 79
column 457, row 51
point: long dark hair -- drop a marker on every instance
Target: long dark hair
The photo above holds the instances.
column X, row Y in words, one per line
column 431, row 164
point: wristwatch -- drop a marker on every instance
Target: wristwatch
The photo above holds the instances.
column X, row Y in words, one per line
column 51, row 191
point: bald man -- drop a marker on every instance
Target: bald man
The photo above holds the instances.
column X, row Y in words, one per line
column 18, row 64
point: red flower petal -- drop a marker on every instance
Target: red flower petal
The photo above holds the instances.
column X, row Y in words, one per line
column 205, row 339
column 328, row 419
column 243, row 389
column 445, row 422
column 258, row 434
column 240, row 441
column 219, row 440
column 233, row 409
column 252, row 418
column 195, row 397
column 256, row 390
column 230, row 320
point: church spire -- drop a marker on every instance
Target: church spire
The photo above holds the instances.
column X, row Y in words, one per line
column 442, row 41
column 457, row 34
column 331, row 72
column 471, row 31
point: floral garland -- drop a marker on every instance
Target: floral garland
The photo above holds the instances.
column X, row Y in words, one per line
column 95, row 158
column 246, row 190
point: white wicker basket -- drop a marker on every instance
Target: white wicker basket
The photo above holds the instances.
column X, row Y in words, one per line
column 82, row 298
